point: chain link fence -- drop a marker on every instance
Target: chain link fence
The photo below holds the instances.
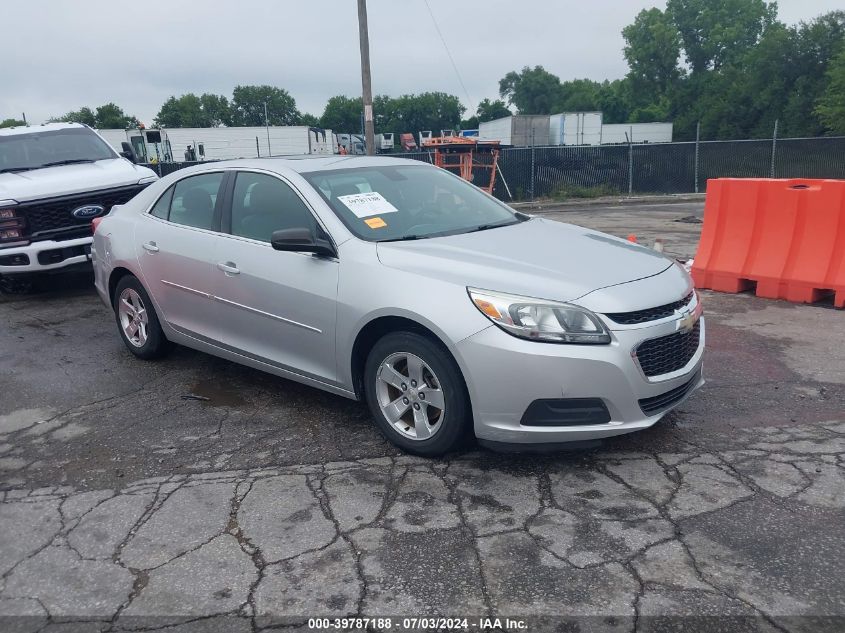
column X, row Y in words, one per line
column 529, row 173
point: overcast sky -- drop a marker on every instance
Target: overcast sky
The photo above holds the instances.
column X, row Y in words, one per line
column 59, row 55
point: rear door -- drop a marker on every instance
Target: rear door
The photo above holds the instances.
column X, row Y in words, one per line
column 274, row 306
column 175, row 245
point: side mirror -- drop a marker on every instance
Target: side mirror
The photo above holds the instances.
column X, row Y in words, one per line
column 301, row 240
column 128, row 153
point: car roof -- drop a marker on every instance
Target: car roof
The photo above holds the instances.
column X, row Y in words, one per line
column 308, row 163
column 32, row 129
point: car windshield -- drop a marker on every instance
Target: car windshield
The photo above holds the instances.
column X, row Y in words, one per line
column 398, row 202
column 22, row 152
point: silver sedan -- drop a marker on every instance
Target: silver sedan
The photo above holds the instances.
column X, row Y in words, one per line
column 398, row 283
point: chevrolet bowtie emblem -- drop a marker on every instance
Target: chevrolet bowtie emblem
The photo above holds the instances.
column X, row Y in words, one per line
column 686, row 321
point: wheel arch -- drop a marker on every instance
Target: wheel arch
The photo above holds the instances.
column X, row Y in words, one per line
column 118, row 273
column 382, row 325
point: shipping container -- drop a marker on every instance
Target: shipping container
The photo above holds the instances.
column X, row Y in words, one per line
column 575, row 128
column 519, row 130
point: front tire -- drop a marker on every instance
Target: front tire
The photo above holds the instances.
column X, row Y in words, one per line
column 137, row 320
column 416, row 394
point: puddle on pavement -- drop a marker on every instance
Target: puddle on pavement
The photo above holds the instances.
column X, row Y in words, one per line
column 217, row 393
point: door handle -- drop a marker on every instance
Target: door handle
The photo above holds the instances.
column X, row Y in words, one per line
column 150, row 247
column 230, row 268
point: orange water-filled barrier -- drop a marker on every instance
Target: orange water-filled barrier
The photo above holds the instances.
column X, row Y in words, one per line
column 784, row 237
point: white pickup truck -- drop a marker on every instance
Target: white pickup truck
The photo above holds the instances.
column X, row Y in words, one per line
column 54, row 180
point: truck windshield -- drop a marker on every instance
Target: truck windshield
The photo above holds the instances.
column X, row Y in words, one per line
column 407, row 202
column 46, row 148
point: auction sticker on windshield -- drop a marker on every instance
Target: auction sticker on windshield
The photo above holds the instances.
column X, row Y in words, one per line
column 366, row 204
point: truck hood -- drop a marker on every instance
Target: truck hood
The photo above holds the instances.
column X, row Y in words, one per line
column 536, row 258
column 64, row 180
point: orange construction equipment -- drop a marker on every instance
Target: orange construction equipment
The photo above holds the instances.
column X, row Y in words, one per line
column 785, row 239
column 468, row 157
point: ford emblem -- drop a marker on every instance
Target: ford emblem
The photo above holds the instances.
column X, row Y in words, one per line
column 88, row 211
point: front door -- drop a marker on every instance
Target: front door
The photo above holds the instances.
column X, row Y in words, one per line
column 275, row 306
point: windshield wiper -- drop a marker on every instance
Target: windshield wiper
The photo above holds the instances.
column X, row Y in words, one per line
column 69, row 161
column 492, row 225
column 405, row 238
column 12, row 169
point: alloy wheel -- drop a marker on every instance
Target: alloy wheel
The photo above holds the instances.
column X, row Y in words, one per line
column 133, row 317
column 410, row 396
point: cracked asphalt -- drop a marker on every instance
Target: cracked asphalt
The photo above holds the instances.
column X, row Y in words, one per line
column 192, row 494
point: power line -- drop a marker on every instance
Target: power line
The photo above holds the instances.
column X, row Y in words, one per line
column 451, row 59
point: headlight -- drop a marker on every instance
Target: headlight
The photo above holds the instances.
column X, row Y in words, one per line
column 539, row 320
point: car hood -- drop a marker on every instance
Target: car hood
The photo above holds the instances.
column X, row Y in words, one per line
column 536, row 258
column 63, row 180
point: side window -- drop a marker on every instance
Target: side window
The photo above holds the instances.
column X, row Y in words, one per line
column 262, row 204
column 161, row 209
column 194, row 199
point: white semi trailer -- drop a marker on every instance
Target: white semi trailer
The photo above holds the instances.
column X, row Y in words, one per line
column 575, row 128
column 636, row 133
column 171, row 144
column 519, row 130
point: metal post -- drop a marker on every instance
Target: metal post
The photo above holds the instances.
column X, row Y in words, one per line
column 257, row 148
column 532, row 161
column 24, row 117
column 630, row 166
column 774, row 149
column 366, row 79
column 697, row 141
column 267, row 126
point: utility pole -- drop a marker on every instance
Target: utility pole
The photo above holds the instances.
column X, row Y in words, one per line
column 366, row 79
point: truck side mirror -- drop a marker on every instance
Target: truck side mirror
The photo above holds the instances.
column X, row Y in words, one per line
column 128, row 153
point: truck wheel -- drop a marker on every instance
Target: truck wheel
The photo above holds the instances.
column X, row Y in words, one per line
column 416, row 394
column 137, row 321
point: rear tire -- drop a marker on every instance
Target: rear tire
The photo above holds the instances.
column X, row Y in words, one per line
column 416, row 394
column 137, row 320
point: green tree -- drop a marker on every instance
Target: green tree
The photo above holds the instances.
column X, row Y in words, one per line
column 248, row 106
column 531, row 91
column 84, row 115
column 817, row 44
column 11, row 123
column 216, row 110
column 104, row 117
column 111, row 117
column 189, row 110
column 487, row 110
column 578, row 95
column 615, row 101
column 652, row 50
column 716, row 33
column 308, row 119
column 342, row 114
column 490, row 110
column 831, row 105
column 411, row 113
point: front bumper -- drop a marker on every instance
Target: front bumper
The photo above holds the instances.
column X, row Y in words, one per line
column 45, row 255
column 506, row 374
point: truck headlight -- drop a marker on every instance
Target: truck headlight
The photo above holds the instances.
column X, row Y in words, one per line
column 540, row 320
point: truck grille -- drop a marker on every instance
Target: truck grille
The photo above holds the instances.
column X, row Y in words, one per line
column 669, row 353
column 52, row 219
column 649, row 314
